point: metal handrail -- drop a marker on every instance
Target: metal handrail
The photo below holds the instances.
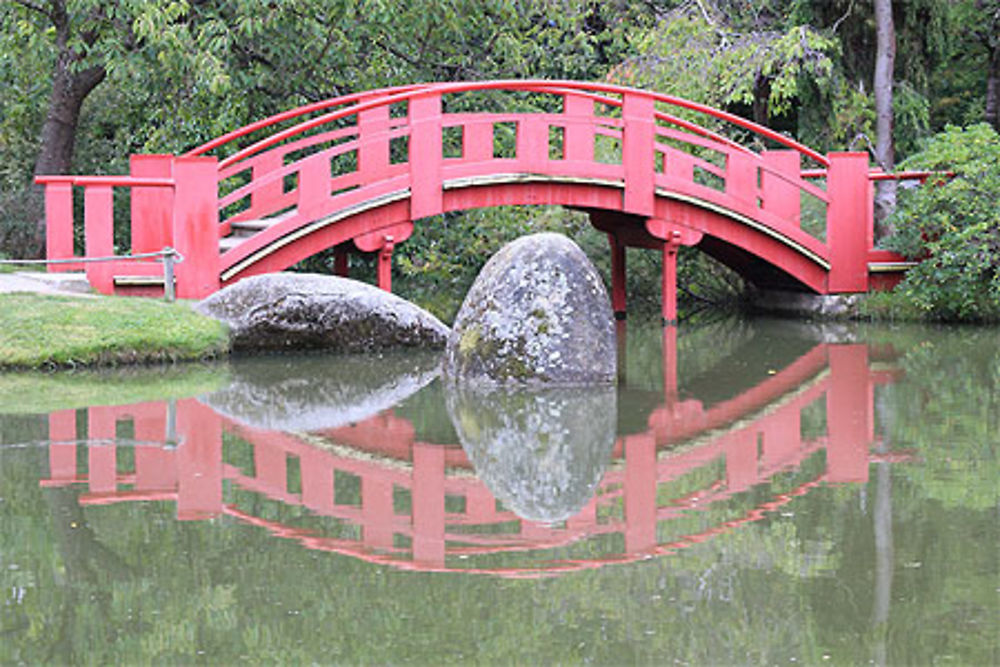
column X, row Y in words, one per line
column 169, row 256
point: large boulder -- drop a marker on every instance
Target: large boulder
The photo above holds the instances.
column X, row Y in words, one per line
column 537, row 314
column 540, row 451
column 295, row 394
column 299, row 311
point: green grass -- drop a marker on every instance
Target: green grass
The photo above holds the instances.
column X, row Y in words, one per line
column 63, row 332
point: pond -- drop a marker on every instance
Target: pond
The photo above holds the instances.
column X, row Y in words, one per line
column 752, row 491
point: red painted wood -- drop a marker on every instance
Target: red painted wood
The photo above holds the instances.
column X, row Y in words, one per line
column 98, row 220
column 637, row 152
column 151, row 222
column 779, row 191
column 849, row 222
column 425, row 156
column 428, row 504
column 59, row 226
column 195, row 226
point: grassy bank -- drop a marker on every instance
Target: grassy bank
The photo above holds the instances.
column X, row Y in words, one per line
column 54, row 331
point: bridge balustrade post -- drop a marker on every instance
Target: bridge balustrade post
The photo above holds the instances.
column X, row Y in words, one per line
column 152, row 219
column 849, row 222
column 741, row 177
column 267, row 198
column 59, row 225
column 578, row 137
column 99, row 235
column 196, row 225
column 781, row 196
column 373, row 143
column 637, row 153
column 426, row 155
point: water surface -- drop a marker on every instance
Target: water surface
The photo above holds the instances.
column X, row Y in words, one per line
column 759, row 492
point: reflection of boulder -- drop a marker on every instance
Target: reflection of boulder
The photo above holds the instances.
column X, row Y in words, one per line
column 541, row 452
column 537, row 314
column 299, row 311
column 311, row 393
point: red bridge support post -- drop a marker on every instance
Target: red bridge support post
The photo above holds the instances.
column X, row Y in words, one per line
column 617, row 277
column 669, row 283
column 849, row 222
column 385, row 264
column 196, row 226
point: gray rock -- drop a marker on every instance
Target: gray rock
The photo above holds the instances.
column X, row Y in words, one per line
column 293, row 394
column 297, row 311
column 537, row 314
column 540, row 451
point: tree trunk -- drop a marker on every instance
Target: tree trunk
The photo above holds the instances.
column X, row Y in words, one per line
column 885, row 59
column 993, row 90
column 69, row 90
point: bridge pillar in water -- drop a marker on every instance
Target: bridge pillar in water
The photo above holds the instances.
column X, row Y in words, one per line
column 673, row 237
column 849, row 222
column 617, row 277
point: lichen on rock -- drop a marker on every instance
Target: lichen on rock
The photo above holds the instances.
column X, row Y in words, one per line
column 538, row 313
column 299, row 311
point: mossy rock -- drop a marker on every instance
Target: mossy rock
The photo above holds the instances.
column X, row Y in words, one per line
column 538, row 314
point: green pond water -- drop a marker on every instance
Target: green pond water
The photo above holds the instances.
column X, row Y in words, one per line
column 752, row 492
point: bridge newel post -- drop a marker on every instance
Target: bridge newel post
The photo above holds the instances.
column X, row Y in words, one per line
column 425, row 156
column 196, row 225
column 578, row 140
column 779, row 196
column 637, row 152
column 849, row 222
column 151, row 218
column 617, row 277
column 373, row 142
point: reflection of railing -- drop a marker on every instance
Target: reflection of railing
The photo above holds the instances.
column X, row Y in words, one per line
column 438, row 531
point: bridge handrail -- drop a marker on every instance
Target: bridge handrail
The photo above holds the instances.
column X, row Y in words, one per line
column 294, row 113
column 529, row 85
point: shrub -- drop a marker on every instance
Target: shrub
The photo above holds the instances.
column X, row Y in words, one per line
column 953, row 225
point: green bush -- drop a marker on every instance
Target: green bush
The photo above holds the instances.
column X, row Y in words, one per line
column 952, row 223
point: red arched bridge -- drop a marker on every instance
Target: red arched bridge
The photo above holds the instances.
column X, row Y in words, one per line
column 757, row 437
column 359, row 170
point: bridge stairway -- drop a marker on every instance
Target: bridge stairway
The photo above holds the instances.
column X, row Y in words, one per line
column 243, row 229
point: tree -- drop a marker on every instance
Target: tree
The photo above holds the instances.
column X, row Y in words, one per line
column 885, row 60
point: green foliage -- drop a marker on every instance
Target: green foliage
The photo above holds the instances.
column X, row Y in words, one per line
column 954, row 223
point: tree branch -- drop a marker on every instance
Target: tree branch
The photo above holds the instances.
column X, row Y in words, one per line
column 27, row 4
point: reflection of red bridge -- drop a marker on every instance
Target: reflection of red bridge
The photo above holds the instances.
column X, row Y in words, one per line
column 757, row 435
column 357, row 171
